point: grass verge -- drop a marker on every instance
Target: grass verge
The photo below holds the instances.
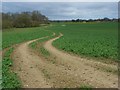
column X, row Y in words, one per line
column 9, row 78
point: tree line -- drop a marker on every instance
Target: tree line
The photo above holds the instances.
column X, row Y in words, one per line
column 89, row 20
column 23, row 19
column 93, row 20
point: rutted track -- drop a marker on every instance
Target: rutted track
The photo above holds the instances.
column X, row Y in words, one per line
column 68, row 71
column 25, row 66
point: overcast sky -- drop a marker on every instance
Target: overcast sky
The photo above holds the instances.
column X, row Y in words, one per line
column 66, row 10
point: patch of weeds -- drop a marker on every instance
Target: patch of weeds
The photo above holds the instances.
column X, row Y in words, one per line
column 44, row 51
column 9, row 78
column 33, row 45
column 111, row 70
column 53, row 61
column 46, row 73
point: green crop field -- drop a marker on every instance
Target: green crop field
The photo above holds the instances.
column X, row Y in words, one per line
column 18, row 35
column 89, row 39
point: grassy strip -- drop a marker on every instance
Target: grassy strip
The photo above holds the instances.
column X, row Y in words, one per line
column 10, row 79
column 44, row 51
column 40, row 48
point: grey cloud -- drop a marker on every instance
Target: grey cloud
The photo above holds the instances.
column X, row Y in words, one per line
column 67, row 10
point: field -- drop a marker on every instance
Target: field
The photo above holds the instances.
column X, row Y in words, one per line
column 31, row 56
column 18, row 35
column 90, row 39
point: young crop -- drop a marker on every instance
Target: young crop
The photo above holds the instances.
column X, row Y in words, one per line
column 9, row 78
column 94, row 40
column 14, row 36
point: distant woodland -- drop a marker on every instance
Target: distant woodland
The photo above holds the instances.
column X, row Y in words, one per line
column 23, row 19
